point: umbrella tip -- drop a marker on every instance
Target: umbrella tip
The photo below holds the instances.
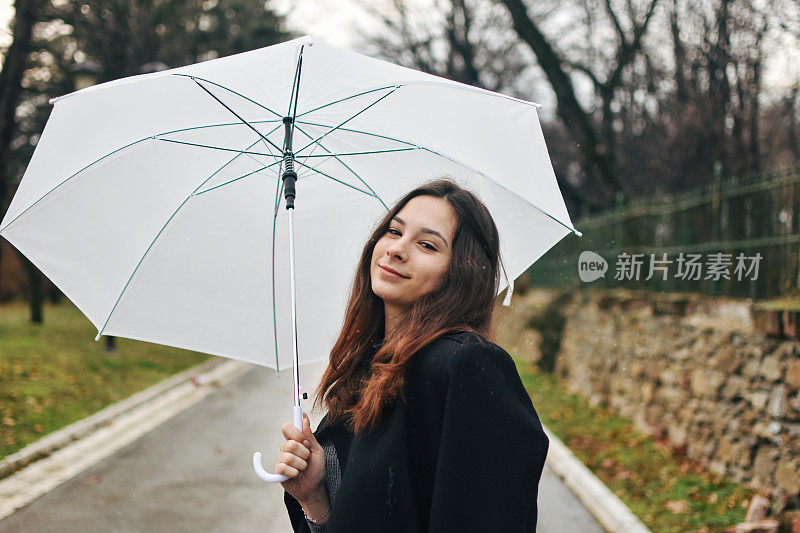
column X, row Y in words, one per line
column 98, row 336
column 578, row 233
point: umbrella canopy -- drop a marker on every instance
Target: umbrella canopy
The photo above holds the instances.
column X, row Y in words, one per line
column 153, row 201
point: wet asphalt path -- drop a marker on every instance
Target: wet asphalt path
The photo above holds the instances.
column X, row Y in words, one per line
column 194, row 473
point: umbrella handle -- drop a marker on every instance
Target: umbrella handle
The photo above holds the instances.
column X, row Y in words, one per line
column 297, row 411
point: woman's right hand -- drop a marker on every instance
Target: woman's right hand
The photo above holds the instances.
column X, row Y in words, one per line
column 303, row 460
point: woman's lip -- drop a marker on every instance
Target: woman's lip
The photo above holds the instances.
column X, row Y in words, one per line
column 391, row 273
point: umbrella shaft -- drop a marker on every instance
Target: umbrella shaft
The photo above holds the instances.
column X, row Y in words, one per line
column 295, row 367
column 289, row 179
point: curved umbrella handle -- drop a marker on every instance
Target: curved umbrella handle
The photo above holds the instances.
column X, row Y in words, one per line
column 297, row 411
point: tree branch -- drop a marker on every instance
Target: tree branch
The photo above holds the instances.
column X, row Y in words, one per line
column 569, row 110
column 613, row 16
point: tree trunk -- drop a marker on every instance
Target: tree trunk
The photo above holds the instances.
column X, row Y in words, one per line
column 36, row 281
column 679, row 54
column 755, row 109
column 10, row 87
column 719, row 88
column 794, row 138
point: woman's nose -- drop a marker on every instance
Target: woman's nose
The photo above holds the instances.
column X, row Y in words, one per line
column 397, row 249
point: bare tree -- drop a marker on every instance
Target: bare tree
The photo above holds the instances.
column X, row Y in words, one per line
column 720, row 55
column 462, row 40
column 598, row 143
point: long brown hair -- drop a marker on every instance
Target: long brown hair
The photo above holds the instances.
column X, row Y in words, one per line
column 464, row 301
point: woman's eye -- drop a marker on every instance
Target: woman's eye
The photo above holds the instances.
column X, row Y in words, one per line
column 393, row 231
column 429, row 246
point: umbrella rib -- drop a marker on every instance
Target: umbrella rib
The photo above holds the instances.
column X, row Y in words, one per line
column 373, row 195
column 461, row 87
column 70, row 177
column 270, row 132
column 295, row 84
column 277, row 160
column 234, row 113
column 345, row 165
column 262, row 106
column 346, row 98
column 224, row 149
column 217, row 126
column 144, row 255
column 511, row 190
column 368, row 152
column 315, row 166
column 237, row 179
column 141, row 259
column 461, row 163
column 295, row 92
column 234, row 159
column 345, row 121
column 358, row 131
column 310, row 170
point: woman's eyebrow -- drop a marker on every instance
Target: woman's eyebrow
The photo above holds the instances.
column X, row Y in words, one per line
column 424, row 230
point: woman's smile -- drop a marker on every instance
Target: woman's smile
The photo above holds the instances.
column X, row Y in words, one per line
column 390, row 273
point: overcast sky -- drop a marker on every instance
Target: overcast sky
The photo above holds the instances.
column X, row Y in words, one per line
column 334, row 21
column 5, row 15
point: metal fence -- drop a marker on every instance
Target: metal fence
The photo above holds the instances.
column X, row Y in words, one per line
column 738, row 236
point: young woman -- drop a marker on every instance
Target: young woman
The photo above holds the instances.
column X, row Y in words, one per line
column 429, row 427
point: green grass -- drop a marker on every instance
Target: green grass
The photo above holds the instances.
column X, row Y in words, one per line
column 54, row 374
column 666, row 490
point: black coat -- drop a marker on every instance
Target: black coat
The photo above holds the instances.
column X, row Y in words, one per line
column 463, row 450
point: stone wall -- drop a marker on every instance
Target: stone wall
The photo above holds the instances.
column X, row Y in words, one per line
column 694, row 370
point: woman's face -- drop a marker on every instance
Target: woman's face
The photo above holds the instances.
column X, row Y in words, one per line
column 412, row 257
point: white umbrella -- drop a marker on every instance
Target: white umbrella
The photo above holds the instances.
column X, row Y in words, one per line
column 152, row 201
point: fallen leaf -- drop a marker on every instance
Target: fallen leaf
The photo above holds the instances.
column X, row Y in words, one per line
column 677, row 506
column 219, row 450
column 91, row 480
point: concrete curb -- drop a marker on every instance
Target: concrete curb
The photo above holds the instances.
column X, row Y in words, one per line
column 58, row 439
column 39, row 468
column 613, row 515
